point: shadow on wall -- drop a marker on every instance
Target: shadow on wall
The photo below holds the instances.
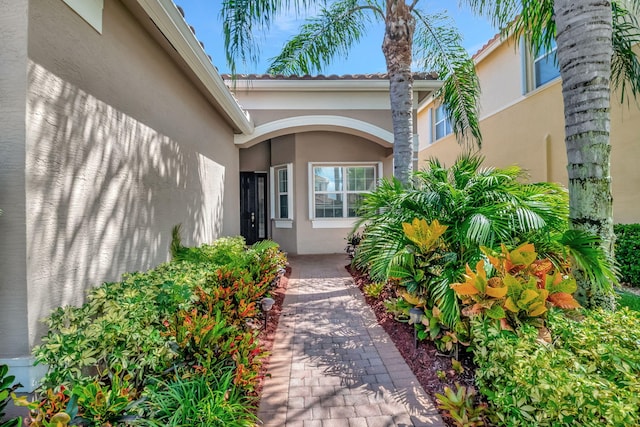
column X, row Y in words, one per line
column 103, row 192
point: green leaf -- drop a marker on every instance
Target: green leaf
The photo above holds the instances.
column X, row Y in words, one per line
column 496, row 312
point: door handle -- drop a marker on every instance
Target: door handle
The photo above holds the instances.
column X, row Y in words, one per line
column 253, row 219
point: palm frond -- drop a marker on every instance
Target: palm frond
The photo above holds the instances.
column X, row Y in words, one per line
column 332, row 33
column 243, row 20
column 584, row 248
column 438, row 45
column 625, row 66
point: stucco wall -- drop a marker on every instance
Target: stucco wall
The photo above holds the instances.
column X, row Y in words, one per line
column 530, row 133
column 283, row 151
column 13, row 262
column 501, row 78
column 120, row 147
column 328, row 147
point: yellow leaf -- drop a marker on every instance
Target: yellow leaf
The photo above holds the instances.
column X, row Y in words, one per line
column 464, row 289
column 412, row 299
column 496, row 292
column 511, row 306
column 527, row 296
column 424, row 235
column 537, row 309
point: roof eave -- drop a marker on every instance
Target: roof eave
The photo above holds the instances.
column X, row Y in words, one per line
column 173, row 26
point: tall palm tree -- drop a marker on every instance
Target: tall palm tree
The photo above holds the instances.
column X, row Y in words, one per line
column 594, row 47
column 409, row 33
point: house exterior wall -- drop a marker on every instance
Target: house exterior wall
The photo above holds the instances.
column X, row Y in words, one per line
column 335, row 148
column 13, row 262
column 283, row 151
column 380, row 118
column 528, row 130
column 119, row 145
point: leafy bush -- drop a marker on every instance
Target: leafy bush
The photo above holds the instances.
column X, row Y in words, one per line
column 6, row 388
column 627, row 247
column 479, row 207
column 198, row 400
column 520, row 290
column 588, row 376
column 193, row 313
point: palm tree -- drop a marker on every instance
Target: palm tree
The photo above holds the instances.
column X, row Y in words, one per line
column 594, row 47
column 409, row 32
column 481, row 206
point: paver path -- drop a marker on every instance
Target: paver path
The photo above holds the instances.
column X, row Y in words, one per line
column 332, row 364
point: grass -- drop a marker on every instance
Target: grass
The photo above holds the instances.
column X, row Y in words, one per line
column 629, row 299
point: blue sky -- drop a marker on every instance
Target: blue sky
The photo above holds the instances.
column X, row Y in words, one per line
column 366, row 57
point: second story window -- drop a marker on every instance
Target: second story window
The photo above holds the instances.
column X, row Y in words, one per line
column 442, row 126
column 545, row 66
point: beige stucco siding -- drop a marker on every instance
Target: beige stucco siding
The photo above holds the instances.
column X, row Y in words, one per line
column 13, row 262
column 501, row 79
column 120, row 147
column 283, row 151
column 530, row 133
column 336, row 148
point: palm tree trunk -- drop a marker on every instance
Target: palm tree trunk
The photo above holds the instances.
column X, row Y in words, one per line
column 584, row 52
column 397, row 49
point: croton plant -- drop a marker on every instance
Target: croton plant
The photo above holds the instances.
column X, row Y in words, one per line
column 517, row 289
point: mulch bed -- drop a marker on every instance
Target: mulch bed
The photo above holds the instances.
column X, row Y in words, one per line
column 432, row 369
column 268, row 335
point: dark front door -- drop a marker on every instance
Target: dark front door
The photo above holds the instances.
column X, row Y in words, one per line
column 253, row 206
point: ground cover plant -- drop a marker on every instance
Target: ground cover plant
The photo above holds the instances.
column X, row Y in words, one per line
column 136, row 344
column 589, row 374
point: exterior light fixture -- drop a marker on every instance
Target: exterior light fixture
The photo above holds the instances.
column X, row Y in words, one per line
column 415, row 317
column 267, row 305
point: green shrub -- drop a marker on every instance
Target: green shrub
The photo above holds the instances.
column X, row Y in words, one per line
column 588, row 376
column 198, row 400
column 192, row 313
column 6, row 388
column 627, row 248
column 629, row 299
column 477, row 206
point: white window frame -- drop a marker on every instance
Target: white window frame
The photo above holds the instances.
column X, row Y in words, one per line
column 445, row 120
column 274, row 191
column 341, row 222
column 529, row 62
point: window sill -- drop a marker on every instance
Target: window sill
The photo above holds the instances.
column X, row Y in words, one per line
column 283, row 223
column 333, row 223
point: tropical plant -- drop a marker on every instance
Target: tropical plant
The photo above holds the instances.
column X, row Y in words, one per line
column 461, row 406
column 589, row 375
column 338, row 26
column 595, row 41
column 193, row 314
column 6, row 388
column 210, row 400
column 520, row 289
column 479, row 207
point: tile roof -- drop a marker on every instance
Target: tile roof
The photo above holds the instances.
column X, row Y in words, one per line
column 375, row 76
column 486, row 45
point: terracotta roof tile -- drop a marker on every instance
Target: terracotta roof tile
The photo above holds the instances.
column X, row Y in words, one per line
column 376, row 76
column 486, row 45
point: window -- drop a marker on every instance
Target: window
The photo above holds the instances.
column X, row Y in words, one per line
column 282, row 192
column 545, row 66
column 337, row 190
column 442, row 125
column 539, row 67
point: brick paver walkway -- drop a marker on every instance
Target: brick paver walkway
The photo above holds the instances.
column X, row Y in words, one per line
column 332, row 364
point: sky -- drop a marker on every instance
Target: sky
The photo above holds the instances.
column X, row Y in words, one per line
column 365, row 57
